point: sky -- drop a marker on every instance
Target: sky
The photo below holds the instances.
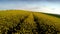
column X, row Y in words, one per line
column 47, row 6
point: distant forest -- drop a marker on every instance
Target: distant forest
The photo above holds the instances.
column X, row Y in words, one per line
column 53, row 15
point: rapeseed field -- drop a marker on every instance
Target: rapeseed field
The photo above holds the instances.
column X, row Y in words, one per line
column 26, row 22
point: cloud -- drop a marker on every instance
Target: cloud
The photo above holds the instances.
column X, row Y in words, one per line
column 40, row 6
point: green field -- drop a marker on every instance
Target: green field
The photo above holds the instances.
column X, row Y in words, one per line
column 26, row 22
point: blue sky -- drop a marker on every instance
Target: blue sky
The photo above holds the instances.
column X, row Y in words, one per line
column 49, row 6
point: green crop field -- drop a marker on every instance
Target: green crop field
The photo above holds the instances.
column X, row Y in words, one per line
column 26, row 22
